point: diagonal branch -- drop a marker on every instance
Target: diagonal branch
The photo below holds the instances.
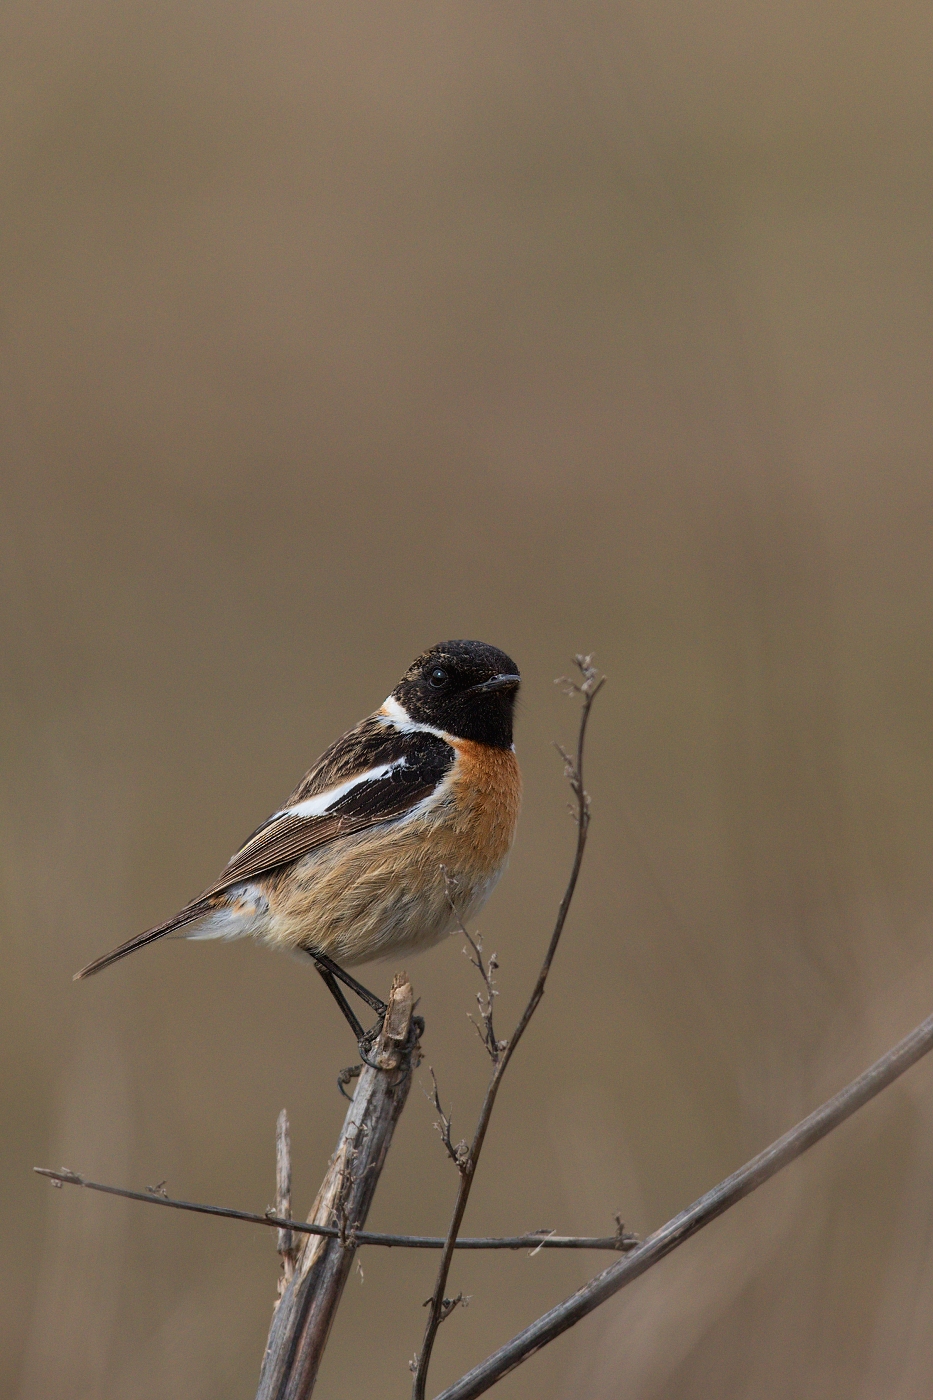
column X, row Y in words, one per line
column 722, row 1197
column 588, row 687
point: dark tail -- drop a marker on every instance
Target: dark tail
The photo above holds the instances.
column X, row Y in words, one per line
column 186, row 916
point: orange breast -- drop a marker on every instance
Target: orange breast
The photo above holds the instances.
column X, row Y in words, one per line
column 488, row 792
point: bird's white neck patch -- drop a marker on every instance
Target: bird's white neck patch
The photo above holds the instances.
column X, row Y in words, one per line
column 391, row 712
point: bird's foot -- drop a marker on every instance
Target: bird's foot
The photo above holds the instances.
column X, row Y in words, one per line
column 344, row 1077
column 366, row 1042
column 368, row 1039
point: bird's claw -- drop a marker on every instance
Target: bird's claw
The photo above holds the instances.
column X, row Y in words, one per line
column 368, row 1040
column 344, row 1077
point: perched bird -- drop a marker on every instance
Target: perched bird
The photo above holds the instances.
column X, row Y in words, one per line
column 410, row 812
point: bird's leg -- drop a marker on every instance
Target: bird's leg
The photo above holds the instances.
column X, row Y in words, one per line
column 330, row 972
column 330, row 983
column 370, row 998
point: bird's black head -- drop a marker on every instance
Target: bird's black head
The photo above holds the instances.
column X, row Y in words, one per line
column 468, row 689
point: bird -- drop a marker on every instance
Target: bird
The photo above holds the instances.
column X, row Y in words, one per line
column 396, row 835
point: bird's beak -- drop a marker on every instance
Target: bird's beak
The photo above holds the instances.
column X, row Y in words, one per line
column 503, row 682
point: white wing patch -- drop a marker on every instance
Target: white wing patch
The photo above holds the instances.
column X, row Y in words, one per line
column 322, row 802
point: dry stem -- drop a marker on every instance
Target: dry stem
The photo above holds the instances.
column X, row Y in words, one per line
column 286, row 1243
column 683, row 1226
column 302, row 1320
column 534, row 1240
column 587, row 688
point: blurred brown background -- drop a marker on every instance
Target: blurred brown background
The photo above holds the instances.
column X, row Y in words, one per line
column 332, row 330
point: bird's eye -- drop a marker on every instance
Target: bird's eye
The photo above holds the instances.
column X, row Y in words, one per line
column 438, row 678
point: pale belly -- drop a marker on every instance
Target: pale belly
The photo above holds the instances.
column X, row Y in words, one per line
column 385, row 896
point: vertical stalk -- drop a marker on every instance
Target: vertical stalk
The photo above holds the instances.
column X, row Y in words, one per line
column 303, row 1317
column 588, row 689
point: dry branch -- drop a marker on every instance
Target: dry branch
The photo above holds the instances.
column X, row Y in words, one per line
column 587, row 688
column 286, row 1244
column 734, row 1189
column 304, row 1314
column 537, row 1239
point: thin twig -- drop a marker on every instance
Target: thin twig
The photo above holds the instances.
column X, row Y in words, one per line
column 360, row 1237
column 484, row 1000
column 487, row 1034
column 587, row 688
column 722, row 1197
column 458, row 1154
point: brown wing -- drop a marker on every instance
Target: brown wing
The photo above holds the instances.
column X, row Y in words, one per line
column 388, row 774
column 290, row 838
column 417, row 763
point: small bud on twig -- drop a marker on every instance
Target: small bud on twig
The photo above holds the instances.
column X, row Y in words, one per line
column 446, row 1308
